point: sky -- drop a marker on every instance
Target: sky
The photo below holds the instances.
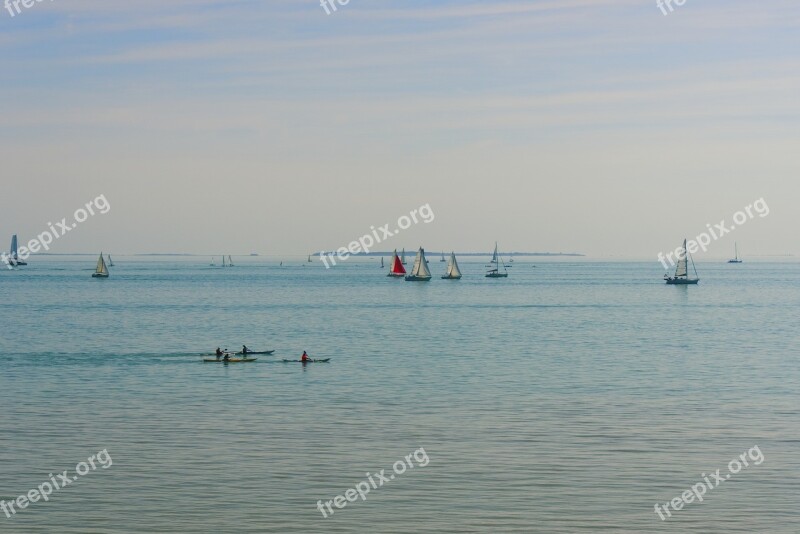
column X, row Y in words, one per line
column 596, row 126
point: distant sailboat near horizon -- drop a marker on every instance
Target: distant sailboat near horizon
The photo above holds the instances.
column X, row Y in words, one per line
column 223, row 261
column 736, row 251
column 309, row 258
column 403, row 257
column 382, row 266
column 681, row 276
column 396, row 270
column 230, row 261
column 497, row 261
column 453, row 272
column 110, row 261
column 212, row 262
column 442, row 260
column 101, row 271
column 419, row 272
column 13, row 255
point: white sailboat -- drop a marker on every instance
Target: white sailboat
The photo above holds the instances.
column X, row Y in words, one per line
column 403, row 257
column 212, row 262
column 223, row 261
column 420, row 271
column 681, row 276
column 13, row 255
column 110, row 261
column 453, row 272
column 736, row 258
column 496, row 261
column 442, row 260
column 309, row 258
column 101, row 271
column 230, row 261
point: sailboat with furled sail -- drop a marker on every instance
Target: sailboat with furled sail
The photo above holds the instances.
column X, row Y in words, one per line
column 101, row 271
column 453, row 272
column 397, row 270
column 419, row 272
column 403, row 257
column 736, row 258
column 494, row 272
column 382, row 266
column 681, row 276
column 14, row 255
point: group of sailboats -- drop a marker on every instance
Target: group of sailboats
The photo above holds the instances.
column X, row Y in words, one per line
column 228, row 264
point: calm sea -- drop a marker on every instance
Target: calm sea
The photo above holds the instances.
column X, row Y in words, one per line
column 570, row 397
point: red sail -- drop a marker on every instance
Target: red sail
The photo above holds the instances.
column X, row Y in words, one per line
column 397, row 267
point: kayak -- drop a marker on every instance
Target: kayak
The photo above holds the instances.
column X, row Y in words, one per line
column 256, row 352
column 326, row 360
column 230, row 360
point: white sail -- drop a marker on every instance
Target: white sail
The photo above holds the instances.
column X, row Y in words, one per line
column 14, row 247
column 452, row 268
column 494, row 256
column 420, row 268
column 101, row 265
column 230, row 261
column 683, row 263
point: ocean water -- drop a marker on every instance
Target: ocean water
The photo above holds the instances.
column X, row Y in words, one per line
column 571, row 397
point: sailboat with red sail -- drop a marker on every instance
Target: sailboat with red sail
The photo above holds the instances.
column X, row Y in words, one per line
column 397, row 269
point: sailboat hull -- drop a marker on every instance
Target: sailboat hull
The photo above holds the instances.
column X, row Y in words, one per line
column 682, row 281
column 412, row 278
column 396, row 275
column 99, row 275
column 497, row 275
column 446, row 277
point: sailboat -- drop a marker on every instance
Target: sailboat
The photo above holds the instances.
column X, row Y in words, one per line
column 223, row 261
column 382, row 266
column 14, row 256
column 403, row 257
column 212, row 262
column 681, row 276
column 497, row 261
column 397, row 270
column 442, row 257
column 453, row 272
column 101, row 271
column 736, row 250
column 309, row 258
column 230, row 261
column 110, row 261
column 420, row 271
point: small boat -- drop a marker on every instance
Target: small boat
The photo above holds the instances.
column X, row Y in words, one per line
column 419, row 272
column 230, row 261
column 382, row 266
column 403, row 257
column 309, row 258
column 326, row 360
column 110, row 261
column 496, row 261
column 453, row 272
column 736, row 258
column 229, row 360
column 397, row 270
column 212, row 262
column 14, row 256
column 681, row 276
column 442, row 260
column 255, row 352
column 223, row 261
column 101, row 271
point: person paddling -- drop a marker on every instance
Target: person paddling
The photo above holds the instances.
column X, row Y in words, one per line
column 218, row 353
column 304, row 358
column 245, row 350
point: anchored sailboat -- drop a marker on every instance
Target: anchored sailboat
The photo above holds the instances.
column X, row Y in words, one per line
column 442, row 257
column 420, row 271
column 110, row 261
column 230, row 261
column 14, row 256
column 497, row 261
column 223, row 261
column 736, row 250
column 381, row 262
column 397, row 270
column 212, row 262
column 681, row 276
column 101, row 271
column 309, row 258
column 453, row 272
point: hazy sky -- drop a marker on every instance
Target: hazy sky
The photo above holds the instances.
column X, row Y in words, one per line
column 598, row 126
